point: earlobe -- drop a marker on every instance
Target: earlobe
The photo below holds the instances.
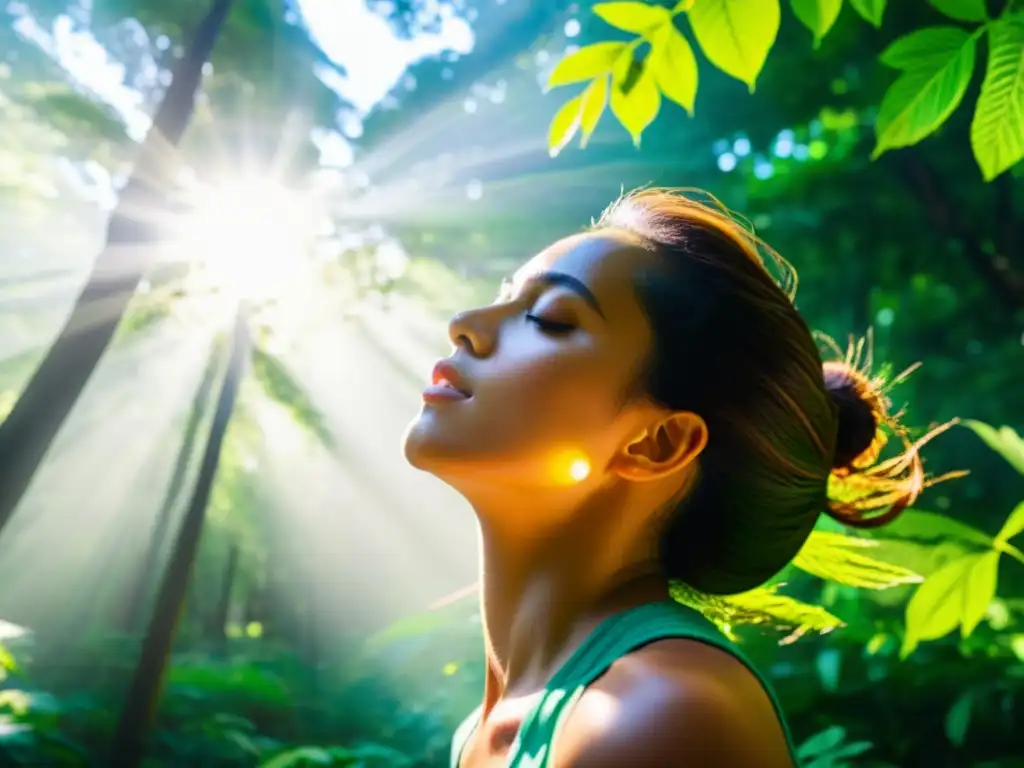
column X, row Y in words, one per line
column 666, row 446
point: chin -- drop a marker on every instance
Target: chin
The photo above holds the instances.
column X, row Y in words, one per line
column 414, row 444
column 422, row 447
column 426, row 448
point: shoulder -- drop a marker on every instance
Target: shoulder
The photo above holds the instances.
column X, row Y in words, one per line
column 674, row 702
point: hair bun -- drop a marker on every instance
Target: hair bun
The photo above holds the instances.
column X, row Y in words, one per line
column 860, row 407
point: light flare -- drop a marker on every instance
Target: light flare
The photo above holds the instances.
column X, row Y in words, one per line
column 569, row 466
column 252, row 238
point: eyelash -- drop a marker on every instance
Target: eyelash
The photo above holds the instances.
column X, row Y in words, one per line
column 505, row 294
column 550, row 326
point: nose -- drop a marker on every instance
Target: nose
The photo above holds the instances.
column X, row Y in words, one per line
column 468, row 331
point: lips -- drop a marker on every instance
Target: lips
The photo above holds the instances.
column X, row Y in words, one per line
column 446, row 384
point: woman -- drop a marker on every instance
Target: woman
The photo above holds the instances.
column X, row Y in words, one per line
column 642, row 406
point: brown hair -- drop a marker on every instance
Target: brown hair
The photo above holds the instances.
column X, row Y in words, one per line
column 788, row 435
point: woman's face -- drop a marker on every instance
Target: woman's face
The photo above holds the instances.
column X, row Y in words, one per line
column 543, row 372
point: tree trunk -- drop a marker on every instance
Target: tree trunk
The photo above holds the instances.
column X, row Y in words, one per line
column 143, row 694
column 135, row 606
column 31, row 427
column 222, row 610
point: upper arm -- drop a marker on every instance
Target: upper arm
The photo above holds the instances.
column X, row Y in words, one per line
column 654, row 710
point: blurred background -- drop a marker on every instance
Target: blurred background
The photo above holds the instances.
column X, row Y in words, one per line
column 231, row 232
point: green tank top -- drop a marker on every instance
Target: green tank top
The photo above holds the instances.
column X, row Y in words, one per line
column 613, row 638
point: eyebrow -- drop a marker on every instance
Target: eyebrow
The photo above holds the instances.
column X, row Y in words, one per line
column 574, row 284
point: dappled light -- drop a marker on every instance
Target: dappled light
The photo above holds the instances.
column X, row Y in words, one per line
column 232, row 233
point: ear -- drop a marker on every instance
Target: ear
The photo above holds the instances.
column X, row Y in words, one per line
column 668, row 445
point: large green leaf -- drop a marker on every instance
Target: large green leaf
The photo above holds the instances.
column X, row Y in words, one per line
column 870, row 10
column 961, row 10
column 588, row 62
column 638, row 18
column 595, row 99
column 979, row 590
column 635, row 99
column 840, row 558
column 781, row 609
column 1014, row 524
column 762, row 606
column 564, row 125
column 936, row 608
column 929, row 48
column 1004, row 441
column 919, row 525
column 997, row 131
column 817, row 15
column 937, row 64
column 736, row 35
column 674, row 67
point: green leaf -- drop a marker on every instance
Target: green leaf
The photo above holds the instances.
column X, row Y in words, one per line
column 997, row 130
column 837, row 557
column 821, row 742
column 870, row 10
column 588, row 62
column 979, row 590
column 817, row 15
column 782, row 609
column 674, row 67
column 938, row 64
column 595, row 99
column 638, row 18
column 936, row 608
column 1014, row 524
column 918, row 525
column 736, row 35
column 958, row 719
column 564, row 124
column 1003, row 441
column 828, row 749
column 928, row 48
column 763, row 605
column 961, row 10
column 853, row 749
column 635, row 103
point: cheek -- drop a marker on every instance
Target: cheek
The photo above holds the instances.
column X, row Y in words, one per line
column 563, row 398
column 535, row 404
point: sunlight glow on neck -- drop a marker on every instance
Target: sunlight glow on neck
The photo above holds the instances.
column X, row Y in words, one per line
column 252, row 237
column 569, row 466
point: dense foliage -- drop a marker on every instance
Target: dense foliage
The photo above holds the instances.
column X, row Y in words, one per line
column 876, row 144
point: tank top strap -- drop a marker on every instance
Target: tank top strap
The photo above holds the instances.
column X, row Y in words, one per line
column 462, row 734
column 612, row 639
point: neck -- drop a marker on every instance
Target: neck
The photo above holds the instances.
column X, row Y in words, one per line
column 542, row 593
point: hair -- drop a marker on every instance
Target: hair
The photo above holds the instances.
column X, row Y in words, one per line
column 789, row 436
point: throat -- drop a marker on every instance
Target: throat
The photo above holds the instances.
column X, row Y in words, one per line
column 532, row 624
column 547, row 579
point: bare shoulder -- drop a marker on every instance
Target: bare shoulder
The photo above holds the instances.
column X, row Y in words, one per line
column 676, row 702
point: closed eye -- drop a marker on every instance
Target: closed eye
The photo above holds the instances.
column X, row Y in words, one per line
column 550, row 326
